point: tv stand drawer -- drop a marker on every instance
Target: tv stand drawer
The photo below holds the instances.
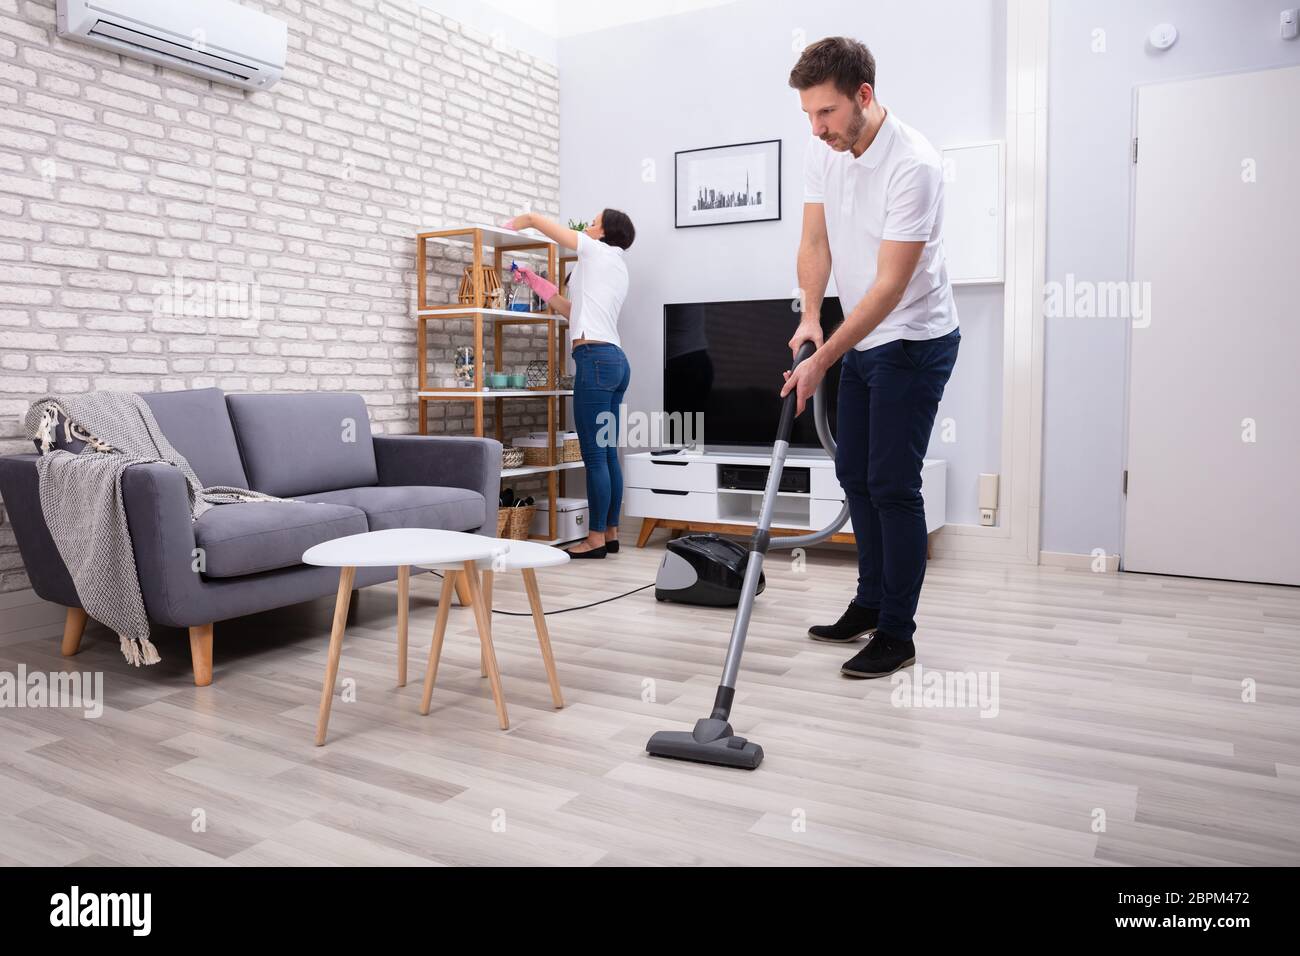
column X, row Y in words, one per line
column 671, row 473
column 664, row 503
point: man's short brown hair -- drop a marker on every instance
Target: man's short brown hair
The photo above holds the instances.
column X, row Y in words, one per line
column 845, row 62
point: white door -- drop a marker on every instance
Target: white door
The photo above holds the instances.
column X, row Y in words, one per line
column 1214, row 371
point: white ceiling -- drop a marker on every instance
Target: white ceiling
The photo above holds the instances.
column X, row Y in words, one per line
column 564, row 18
column 537, row 25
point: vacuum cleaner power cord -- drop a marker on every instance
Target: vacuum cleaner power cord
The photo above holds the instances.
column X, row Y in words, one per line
column 564, row 610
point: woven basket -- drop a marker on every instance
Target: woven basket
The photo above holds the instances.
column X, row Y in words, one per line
column 503, row 522
column 567, row 448
column 534, row 456
column 521, row 520
column 512, row 457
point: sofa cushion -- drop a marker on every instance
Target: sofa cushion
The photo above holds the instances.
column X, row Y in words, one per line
column 411, row 506
column 197, row 424
column 299, row 444
column 239, row 539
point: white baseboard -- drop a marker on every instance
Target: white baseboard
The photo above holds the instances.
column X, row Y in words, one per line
column 1077, row 562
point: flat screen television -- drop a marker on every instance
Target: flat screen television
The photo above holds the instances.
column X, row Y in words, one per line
column 725, row 359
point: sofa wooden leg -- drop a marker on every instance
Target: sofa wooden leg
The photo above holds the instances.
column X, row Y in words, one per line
column 201, row 654
column 74, row 625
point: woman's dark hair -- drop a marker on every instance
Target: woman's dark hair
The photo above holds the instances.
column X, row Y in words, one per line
column 618, row 228
column 845, row 62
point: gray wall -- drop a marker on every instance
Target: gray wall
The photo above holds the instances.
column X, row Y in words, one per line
column 718, row 76
column 1088, row 174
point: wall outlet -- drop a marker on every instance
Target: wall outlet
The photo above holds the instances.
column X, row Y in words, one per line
column 987, row 517
column 1290, row 18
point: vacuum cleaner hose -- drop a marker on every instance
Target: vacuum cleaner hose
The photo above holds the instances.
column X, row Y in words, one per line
column 828, row 442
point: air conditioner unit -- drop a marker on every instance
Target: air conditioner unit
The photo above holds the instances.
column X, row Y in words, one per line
column 215, row 39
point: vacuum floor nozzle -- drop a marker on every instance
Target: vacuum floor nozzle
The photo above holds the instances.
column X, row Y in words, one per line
column 712, row 741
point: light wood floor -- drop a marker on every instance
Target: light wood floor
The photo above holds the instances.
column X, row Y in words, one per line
column 1118, row 695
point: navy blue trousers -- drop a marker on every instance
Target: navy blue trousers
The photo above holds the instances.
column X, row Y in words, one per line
column 888, row 398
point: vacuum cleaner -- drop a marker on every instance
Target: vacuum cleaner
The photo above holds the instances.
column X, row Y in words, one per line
column 715, row 565
column 704, row 569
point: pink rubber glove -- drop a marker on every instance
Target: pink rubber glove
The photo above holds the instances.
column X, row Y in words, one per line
column 546, row 290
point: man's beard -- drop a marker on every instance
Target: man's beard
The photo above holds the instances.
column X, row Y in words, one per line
column 856, row 126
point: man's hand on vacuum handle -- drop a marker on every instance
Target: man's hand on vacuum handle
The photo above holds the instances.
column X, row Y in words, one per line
column 895, row 264
column 809, row 330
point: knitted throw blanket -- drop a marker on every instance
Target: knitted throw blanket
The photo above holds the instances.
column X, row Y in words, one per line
column 81, row 499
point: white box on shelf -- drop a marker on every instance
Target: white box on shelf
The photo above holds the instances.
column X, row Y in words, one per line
column 570, row 519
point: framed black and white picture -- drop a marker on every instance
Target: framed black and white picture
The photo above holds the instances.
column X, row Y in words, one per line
column 728, row 184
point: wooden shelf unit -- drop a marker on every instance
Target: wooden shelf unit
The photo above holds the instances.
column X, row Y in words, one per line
column 500, row 242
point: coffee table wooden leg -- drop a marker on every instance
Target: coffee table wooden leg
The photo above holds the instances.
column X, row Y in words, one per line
column 346, row 577
column 439, row 631
column 403, row 619
column 543, row 636
column 485, row 636
column 487, row 601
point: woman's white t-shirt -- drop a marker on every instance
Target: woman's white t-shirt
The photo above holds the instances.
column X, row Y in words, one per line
column 597, row 289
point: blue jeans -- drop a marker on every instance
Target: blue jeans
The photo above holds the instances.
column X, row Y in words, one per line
column 887, row 402
column 599, row 385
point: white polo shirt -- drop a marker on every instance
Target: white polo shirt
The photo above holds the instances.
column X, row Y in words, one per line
column 597, row 289
column 894, row 190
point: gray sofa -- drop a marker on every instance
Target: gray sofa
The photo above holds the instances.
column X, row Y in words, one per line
column 245, row 558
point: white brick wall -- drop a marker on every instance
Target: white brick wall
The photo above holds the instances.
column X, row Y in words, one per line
column 116, row 176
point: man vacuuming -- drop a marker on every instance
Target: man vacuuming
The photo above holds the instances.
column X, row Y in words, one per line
column 873, row 212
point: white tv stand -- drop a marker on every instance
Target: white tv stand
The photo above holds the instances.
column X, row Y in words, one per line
column 681, row 492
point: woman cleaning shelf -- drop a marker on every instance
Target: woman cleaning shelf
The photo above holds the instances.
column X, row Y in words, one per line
column 597, row 289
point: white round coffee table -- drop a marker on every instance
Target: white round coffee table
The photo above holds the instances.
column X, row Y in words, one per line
column 402, row 548
column 508, row 555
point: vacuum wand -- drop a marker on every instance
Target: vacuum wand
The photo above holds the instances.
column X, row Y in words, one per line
column 713, row 741
column 761, row 541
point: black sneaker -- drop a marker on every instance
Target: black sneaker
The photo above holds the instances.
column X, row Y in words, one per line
column 883, row 655
column 857, row 621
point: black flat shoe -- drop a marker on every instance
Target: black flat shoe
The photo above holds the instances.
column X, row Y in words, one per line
column 856, row 622
column 593, row 553
column 881, row 657
column 612, row 546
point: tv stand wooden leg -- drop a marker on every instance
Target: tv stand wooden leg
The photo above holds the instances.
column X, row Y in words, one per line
column 648, row 526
